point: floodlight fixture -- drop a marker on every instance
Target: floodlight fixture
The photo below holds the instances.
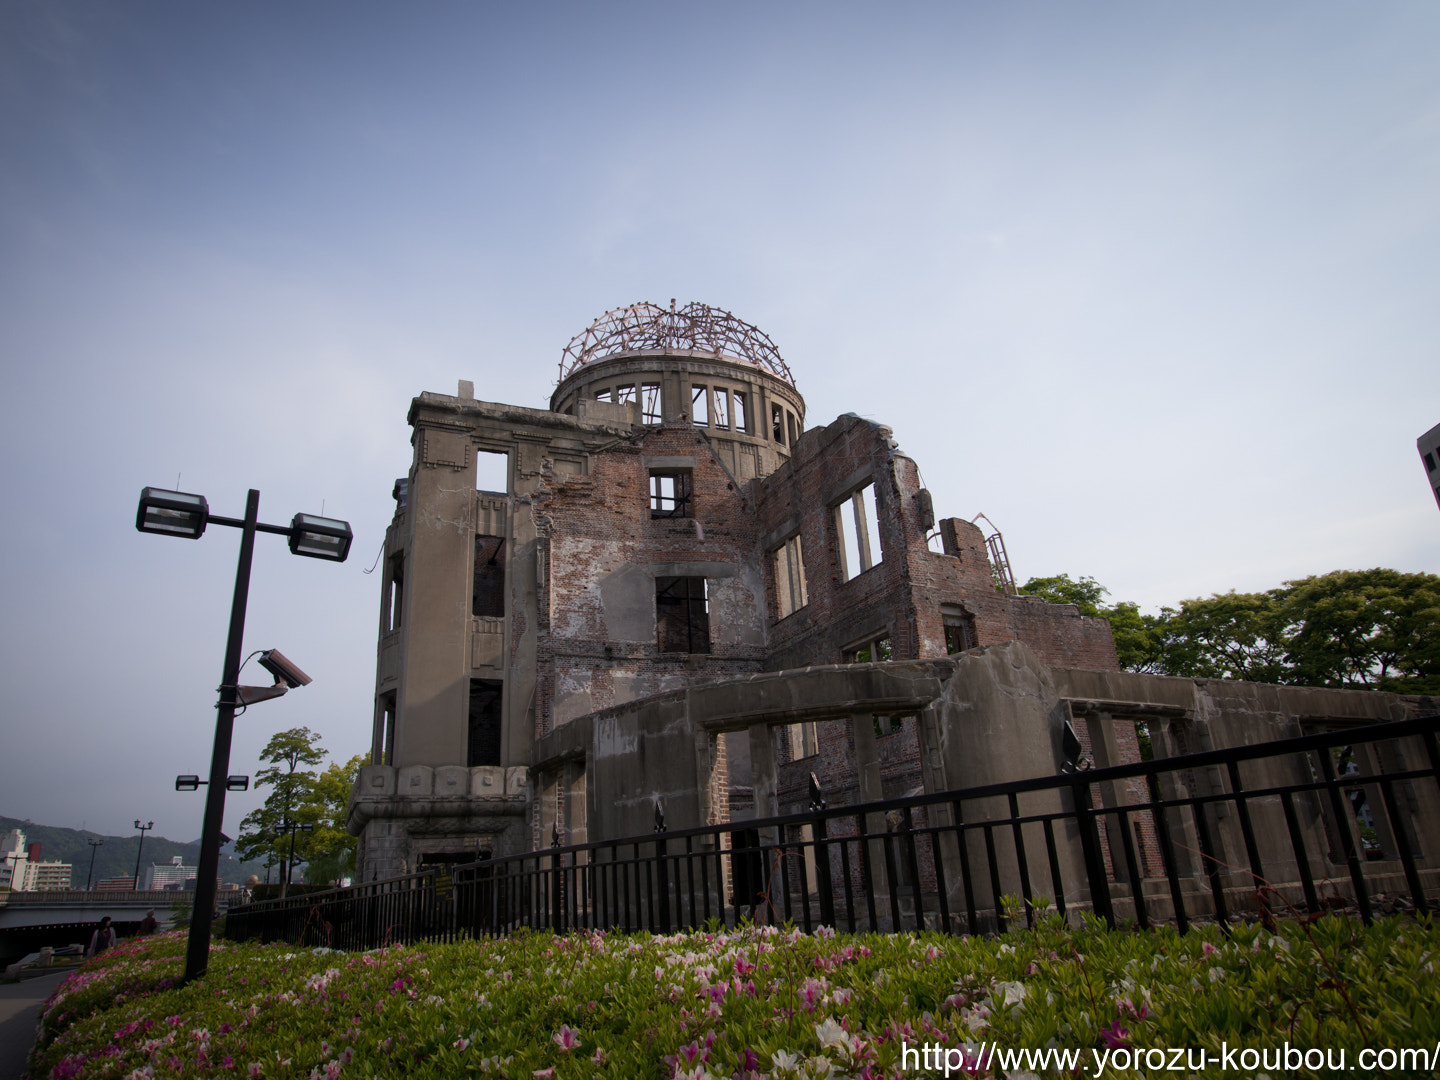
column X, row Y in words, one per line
column 188, row 782
column 320, row 538
column 237, row 783
column 172, row 513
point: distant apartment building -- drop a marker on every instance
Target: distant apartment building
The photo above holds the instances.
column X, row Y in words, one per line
column 173, row 875
column 116, row 884
column 24, row 872
column 1429, row 447
column 49, row 877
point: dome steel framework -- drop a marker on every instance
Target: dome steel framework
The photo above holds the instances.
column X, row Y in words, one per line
column 695, row 329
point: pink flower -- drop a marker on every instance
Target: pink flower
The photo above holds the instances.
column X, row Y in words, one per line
column 1115, row 1036
column 598, row 1057
column 567, row 1038
column 461, row 1043
column 544, row 1074
column 1207, row 950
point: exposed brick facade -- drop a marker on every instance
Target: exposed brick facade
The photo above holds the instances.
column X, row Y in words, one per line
column 572, row 615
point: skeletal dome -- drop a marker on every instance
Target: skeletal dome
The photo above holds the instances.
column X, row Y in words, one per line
column 697, row 330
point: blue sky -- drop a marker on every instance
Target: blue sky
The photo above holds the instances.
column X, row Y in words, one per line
column 1155, row 287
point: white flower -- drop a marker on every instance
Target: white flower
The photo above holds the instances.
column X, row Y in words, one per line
column 1007, row 993
column 784, row 1061
column 831, row 1034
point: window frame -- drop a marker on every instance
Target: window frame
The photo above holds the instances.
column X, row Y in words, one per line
column 787, row 562
column 679, row 594
column 682, row 498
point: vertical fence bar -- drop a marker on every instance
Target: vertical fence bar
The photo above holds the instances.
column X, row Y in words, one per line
column 1344, row 825
column 913, row 862
column 1167, row 853
column 1407, row 859
column 823, row 885
column 1137, row 881
column 1090, row 846
column 1056, row 883
column 1247, row 830
column 965, row 879
column 1023, row 865
column 1212, row 865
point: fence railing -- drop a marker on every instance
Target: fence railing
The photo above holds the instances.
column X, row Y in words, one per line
column 1339, row 818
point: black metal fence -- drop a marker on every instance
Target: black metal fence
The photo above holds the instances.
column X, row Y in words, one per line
column 1340, row 818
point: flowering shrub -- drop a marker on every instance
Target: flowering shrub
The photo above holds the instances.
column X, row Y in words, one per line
column 758, row 1002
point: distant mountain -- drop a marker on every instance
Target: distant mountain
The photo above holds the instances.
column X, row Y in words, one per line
column 116, row 856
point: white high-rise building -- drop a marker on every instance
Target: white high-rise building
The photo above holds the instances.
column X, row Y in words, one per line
column 174, row 875
column 15, row 871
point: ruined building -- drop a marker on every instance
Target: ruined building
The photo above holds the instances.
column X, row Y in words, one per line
column 666, row 594
column 669, row 521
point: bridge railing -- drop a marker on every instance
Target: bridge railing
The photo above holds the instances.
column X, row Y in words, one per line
column 1339, row 818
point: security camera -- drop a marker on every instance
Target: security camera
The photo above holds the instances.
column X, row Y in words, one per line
column 274, row 661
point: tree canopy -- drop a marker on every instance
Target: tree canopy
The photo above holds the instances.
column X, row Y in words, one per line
column 1375, row 629
column 300, row 795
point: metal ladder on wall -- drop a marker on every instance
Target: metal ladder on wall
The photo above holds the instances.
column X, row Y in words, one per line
column 999, row 558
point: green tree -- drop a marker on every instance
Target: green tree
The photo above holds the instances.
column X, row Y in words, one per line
column 264, row 832
column 330, row 848
column 1226, row 636
column 1378, row 629
column 1086, row 594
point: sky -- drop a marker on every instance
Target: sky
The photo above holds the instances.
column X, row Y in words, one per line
column 1155, row 287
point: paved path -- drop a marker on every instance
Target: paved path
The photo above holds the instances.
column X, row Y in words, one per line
column 19, row 1010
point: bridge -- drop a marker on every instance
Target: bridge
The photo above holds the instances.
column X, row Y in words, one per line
column 31, row 920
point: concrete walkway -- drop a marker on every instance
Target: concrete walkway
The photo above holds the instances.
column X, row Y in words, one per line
column 19, row 1011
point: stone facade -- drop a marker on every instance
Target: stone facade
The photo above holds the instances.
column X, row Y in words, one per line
column 667, row 524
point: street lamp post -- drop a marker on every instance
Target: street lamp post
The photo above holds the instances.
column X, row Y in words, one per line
column 93, row 845
column 143, row 830
column 292, row 827
column 177, row 513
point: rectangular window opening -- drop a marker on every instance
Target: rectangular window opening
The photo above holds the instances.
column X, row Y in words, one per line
column 790, row 426
column 959, row 629
column 670, row 494
column 395, row 592
column 492, row 471
column 624, row 395
column 650, row 403
column 742, row 413
column 488, row 595
column 878, row 650
column 888, row 725
column 777, row 424
column 483, row 747
column 1429, row 461
column 604, row 395
column 699, row 406
column 385, row 752
column 682, row 615
column 720, row 409
column 802, row 740
column 857, row 524
column 790, row 592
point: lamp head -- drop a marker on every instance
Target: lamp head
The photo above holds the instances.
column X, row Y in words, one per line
column 320, row 538
column 172, row 513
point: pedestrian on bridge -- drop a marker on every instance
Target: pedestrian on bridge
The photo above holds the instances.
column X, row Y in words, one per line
column 102, row 939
